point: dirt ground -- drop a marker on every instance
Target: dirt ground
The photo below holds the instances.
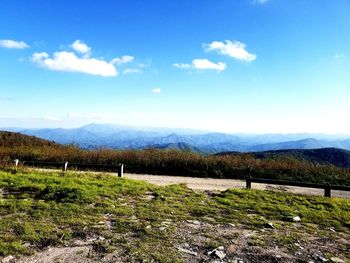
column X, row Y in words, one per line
column 211, row 184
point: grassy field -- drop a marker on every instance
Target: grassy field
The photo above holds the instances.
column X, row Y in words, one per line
column 140, row 222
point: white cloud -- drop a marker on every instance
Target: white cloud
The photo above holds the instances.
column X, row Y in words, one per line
column 236, row 50
column 207, row 64
column 81, row 47
column 181, row 65
column 68, row 61
column 157, row 90
column 131, row 71
column 202, row 63
column 122, row 60
column 7, row 43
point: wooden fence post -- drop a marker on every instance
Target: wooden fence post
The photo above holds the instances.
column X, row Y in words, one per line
column 65, row 167
column 327, row 190
column 121, row 170
column 16, row 163
column 248, row 182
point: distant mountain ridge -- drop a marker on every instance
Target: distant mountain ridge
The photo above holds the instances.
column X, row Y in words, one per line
column 112, row 136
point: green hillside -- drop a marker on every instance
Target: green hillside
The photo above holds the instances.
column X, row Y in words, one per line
column 14, row 139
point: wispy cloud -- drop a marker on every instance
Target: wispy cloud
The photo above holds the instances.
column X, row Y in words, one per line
column 157, row 90
column 131, row 71
column 235, row 49
column 51, row 118
column 181, row 65
column 260, row 2
column 122, row 60
column 7, row 43
column 92, row 116
column 202, row 63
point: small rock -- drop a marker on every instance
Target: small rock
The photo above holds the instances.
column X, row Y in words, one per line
column 221, row 248
column 221, row 255
column 194, row 222
column 237, row 260
column 26, row 245
column 148, row 227
column 332, row 229
column 231, row 225
column 296, row 219
column 278, row 256
column 187, row 251
column 8, row 259
column 162, row 228
column 269, row 225
column 320, row 257
column 337, row 260
column 186, row 245
column 298, row 245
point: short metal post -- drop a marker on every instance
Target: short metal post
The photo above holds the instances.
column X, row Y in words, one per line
column 327, row 190
column 248, row 182
column 65, row 167
column 121, row 170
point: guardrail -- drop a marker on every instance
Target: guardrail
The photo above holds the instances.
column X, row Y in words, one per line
column 119, row 168
column 327, row 186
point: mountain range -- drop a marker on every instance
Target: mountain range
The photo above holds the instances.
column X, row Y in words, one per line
column 94, row 136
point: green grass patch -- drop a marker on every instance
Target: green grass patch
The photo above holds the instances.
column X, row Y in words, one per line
column 47, row 209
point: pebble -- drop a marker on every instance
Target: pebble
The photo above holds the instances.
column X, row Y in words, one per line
column 221, row 255
column 296, row 219
column 270, row 225
column 332, row 229
column 194, row 222
column 320, row 257
column 298, row 245
column 8, row 259
column 337, row 260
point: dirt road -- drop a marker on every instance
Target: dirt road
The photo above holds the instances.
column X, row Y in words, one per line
column 224, row 184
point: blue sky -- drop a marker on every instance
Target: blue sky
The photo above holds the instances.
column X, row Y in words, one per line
column 229, row 65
